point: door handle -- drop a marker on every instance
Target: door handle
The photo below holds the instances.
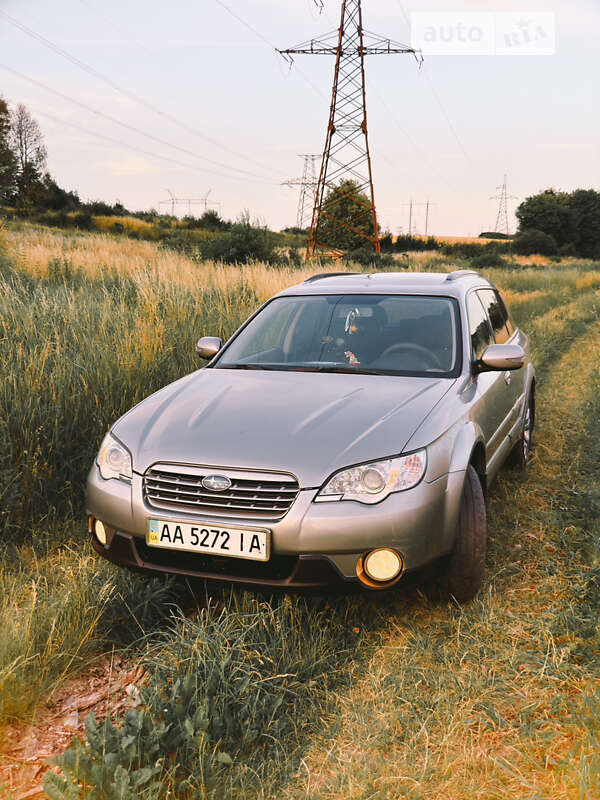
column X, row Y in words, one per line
column 507, row 378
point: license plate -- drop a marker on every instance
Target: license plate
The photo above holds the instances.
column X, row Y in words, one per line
column 202, row 537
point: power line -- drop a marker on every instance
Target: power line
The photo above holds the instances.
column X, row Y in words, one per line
column 126, row 125
column 125, row 92
column 263, row 39
column 436, row 95
column 122, row 144
column 419, row 150
column 445, row 115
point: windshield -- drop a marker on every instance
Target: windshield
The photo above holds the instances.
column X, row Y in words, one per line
column 383, row 335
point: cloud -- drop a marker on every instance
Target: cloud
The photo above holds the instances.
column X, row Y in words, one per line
column 128, row 167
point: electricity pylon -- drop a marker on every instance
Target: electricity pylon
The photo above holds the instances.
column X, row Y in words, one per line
column 346, row 155
column 308, row 188
column 189, row 202
column 503, row 197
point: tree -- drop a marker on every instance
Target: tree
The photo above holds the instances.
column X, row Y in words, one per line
column 346, row 218
column 8, row 164
column 57, row 199
column 549, row 212
column 571, row 220
column 27, row 144
column 586, row 207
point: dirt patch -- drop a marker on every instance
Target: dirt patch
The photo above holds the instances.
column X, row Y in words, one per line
column 110, row 686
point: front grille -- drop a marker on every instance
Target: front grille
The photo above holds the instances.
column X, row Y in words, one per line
column 258, row 495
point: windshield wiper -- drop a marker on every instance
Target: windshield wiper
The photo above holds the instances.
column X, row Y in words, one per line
column 287, row 368
column 345, row 370
column 246, row 366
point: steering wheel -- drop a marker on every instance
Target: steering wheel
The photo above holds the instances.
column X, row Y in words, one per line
column 434, row 361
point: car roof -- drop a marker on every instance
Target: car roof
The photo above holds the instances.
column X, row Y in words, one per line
column 446, row 284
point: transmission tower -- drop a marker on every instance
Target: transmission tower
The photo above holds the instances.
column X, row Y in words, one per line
column 308, row 188
column 503, row 197
column 189, row 202
column 346, row 155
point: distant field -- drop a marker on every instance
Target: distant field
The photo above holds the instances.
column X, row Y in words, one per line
column 285, row 697
column 458, row 239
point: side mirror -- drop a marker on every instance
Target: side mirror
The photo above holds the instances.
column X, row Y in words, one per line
column 500, row 357
column 208, row 347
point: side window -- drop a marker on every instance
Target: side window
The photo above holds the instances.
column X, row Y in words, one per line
column 479, row 327
column 509, row 326
column 497, row 313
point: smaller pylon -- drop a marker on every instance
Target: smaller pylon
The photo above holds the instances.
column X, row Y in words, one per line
column 503, row 197
column 308, row 186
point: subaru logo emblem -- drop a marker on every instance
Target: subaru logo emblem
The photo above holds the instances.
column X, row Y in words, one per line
column 216, row 483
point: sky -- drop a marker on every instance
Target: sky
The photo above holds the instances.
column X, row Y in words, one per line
column 206, row 104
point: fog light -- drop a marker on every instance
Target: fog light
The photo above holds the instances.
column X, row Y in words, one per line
column 100, row 532
column 383, row 565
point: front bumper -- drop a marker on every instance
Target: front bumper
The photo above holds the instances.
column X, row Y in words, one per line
column 314, row 545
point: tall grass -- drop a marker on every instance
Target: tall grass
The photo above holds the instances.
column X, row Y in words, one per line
column 232, row 693
column 59, row 605
column 89, row 326
column 76, row 354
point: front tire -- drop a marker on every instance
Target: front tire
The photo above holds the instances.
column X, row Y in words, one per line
column 464, row 569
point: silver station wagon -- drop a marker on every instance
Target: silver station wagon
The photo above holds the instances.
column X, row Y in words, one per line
column 346, row 434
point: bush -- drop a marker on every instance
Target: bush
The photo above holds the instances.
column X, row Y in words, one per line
column 531, row 242
column 415, row 244
column 245, row 242
column 84, row 222
column 488, row 259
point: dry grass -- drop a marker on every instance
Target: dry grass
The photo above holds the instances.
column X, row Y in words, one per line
column 34, row 249
column 488, row 701
column 458, row 239
column 590, row 280
column 498, row 699
column 128, row 224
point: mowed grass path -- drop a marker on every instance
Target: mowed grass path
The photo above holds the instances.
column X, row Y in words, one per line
column 388, row 697
column 501, row 698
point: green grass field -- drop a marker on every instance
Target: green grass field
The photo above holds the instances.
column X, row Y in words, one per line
column 289, row 697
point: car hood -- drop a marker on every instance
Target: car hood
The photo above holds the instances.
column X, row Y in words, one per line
column 309, row 424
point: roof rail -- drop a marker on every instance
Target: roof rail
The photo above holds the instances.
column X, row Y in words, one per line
column 331, row 275
column 463, row 273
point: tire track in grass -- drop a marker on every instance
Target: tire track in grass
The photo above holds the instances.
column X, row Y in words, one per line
column 489, row 700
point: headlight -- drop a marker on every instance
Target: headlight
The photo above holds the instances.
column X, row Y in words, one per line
column 113, row 459
column 371, row 483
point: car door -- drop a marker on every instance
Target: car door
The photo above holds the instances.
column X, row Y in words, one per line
column 515, row 380
column 493, row 401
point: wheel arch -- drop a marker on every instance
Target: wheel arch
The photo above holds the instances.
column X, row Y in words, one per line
column 468, row 450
